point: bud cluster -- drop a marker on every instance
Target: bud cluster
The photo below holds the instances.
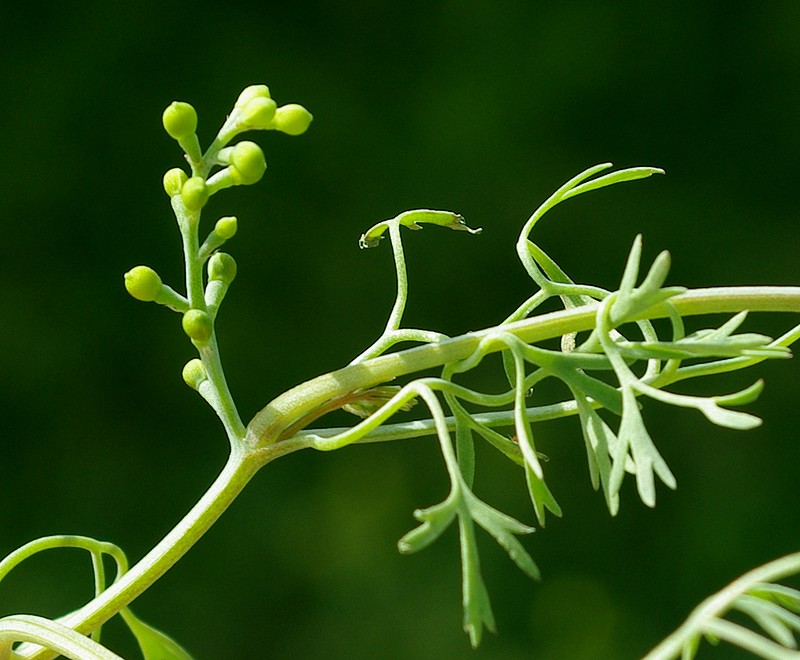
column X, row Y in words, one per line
column 242, row 163
column 257, row 110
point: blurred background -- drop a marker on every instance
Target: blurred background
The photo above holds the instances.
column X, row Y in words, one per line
column 476, row 106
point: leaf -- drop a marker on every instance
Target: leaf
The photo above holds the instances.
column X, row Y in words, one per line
column 709, row 406
column 599, row 440
column 786, row 597
column 541, row 497
column 435, row 520
column 620, row 176
column 633, row 434
column 631, row 272
column 742, row 397
column 750, row 345
column 657, row 274
column 732, row 419
column 773, row 619
column 475, row 598
column 637, row 304
column 554, row 272
column 503, row 528
column 153, row 643
column 412, row 220
column 500, row 442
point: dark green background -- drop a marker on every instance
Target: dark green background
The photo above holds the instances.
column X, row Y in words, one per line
column 480, row 107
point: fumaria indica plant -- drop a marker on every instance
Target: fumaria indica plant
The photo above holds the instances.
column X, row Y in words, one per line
column 611, row 360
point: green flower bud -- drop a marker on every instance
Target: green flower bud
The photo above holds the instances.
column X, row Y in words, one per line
column 226, row 227
column 258, row 113
column 194, row 193
column 197, row 325
column 250, row 93
column 292, row 119
column 221, row 267
column 143, row 283
column 247, row 163
column 174, row 180
column 194, row 373
column 180, row 120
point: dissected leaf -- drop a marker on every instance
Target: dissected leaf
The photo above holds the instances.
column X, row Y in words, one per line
column 435, row 520
column 477, row 606
column 750, row 345
column 771, row 617
column 648, row 462
column 541, row 497
column 503, row 528
column 599, row 440
column 412, row 220
column 620, row 176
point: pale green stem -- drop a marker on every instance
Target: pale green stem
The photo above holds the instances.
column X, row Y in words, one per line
column 396, row 316
column 223, row 399
column 60, row 639
column 269, row 423
column 223, row 403
column 62, row 541
column 714, row 607
column 188, row 223
column 281, row 413
column 237, row 472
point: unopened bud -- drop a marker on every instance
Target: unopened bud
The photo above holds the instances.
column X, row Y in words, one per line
column 258, row 113
column 247, row 163
column 174, row 180
column 143, row 283
column 198, row 325
column 194, row 193
column 180, row 120
column 250, row 93
column 194, row 373
column 292, row 119
column 222, row 267
column 226, row 227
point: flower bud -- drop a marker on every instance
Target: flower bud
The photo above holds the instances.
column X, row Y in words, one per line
column 180, row 120
column 258, row 113
column 194, row 373
column 247, row 163
column 143, row 283
column 292, row 119
column 198, row 325
column 174, row 180
column 226, row 227
column 222, row 267
column 194, row 193
column 250, row 93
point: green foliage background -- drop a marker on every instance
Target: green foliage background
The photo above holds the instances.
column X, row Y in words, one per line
column 479, row 107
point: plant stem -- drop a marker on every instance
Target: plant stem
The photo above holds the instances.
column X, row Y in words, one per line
column 286, row 409
column 270, row 422
column 237, row 472
column 717, row 605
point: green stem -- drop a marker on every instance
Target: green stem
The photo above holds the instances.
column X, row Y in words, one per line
column 717, row 605
column 237, row 472
column 224, row 404
column 282, row 412
column 396, row 316
column 269, row 423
